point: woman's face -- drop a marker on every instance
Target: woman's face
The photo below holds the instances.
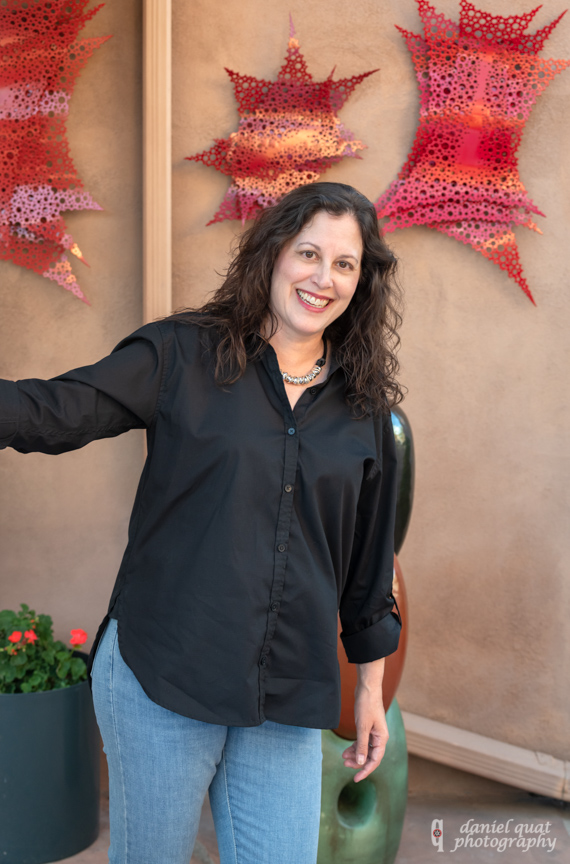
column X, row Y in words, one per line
column 316, row 274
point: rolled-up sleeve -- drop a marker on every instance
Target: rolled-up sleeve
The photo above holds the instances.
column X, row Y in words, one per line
column 118, row 393
column 370, row 627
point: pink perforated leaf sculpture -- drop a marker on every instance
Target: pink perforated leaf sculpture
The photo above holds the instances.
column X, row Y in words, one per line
column 287, row 136
column 40, row 59
column 478, row 82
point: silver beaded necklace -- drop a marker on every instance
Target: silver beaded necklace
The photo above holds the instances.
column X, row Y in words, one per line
column 310, row 376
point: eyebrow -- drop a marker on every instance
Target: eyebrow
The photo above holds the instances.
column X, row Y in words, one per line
column 318, row 248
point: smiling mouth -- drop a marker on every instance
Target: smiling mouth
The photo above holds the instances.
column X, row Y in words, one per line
column 311, row 300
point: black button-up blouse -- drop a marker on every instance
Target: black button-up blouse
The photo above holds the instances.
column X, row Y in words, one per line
column 253, row 524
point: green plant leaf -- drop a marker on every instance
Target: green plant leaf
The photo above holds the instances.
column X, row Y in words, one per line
column 62, row 670
column 78, row 668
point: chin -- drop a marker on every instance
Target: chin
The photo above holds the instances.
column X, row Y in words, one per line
column 311, row 328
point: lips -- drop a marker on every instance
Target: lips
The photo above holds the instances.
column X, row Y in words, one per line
column 313, row 300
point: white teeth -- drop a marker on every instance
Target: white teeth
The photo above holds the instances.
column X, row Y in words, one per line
column 312, row 301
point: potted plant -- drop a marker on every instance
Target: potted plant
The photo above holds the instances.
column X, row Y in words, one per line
column 49, row 743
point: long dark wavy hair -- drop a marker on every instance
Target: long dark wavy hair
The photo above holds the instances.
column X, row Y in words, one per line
column 364, row 337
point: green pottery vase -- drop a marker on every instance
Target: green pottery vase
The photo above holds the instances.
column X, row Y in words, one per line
column 361, row 823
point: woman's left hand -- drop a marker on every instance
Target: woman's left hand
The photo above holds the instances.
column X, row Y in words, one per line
column 371, row 728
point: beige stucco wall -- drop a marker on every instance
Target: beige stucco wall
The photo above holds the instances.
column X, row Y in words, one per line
column 485, row 560
column 486, row 557
column 63, row 519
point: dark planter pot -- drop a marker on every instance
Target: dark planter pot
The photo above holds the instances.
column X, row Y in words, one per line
column 49, row 774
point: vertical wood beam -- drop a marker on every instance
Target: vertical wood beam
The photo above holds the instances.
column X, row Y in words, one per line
column 157, row 159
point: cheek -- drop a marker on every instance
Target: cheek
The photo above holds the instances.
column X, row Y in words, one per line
column 295, row 271
column 285, row 277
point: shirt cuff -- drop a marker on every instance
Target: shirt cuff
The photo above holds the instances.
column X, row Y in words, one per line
column 373, row 642
column 9, row 411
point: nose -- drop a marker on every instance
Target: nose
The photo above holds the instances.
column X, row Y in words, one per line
column 322, row 277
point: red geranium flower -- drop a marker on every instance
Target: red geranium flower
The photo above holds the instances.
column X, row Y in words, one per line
column 78, row 637
column 15, row 636
column 31, row 636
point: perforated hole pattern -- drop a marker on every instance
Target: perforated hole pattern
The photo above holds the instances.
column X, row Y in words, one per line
column 40, row 59
column 288, row 134
column 478, row 81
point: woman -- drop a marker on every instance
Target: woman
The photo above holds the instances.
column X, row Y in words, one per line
column 266, row 504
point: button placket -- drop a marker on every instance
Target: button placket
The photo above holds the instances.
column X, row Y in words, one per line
column 285, row 514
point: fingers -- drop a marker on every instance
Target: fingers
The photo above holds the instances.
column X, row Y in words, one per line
column 363, row 742
column 366, row 754
column 373, row 761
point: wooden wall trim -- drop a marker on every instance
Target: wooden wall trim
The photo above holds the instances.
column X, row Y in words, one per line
column 505, row 763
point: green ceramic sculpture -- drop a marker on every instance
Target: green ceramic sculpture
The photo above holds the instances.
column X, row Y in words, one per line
column 361, row 823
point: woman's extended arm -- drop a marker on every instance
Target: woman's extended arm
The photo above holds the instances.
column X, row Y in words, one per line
column 118, row 393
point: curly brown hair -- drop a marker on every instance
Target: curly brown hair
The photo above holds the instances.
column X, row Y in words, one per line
column 364, row 337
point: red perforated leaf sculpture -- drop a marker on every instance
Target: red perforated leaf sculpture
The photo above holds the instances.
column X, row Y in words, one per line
column 40, row 59
column 478, row 82
column 288, row 134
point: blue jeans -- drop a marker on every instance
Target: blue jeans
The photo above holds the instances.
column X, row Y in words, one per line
column 264, row 781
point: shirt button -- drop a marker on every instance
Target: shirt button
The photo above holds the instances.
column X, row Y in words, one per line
column 312, row 390
column 291, row 431
column 281, row 547
column 288, row 488
column 274, row 607
column 263, row 660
